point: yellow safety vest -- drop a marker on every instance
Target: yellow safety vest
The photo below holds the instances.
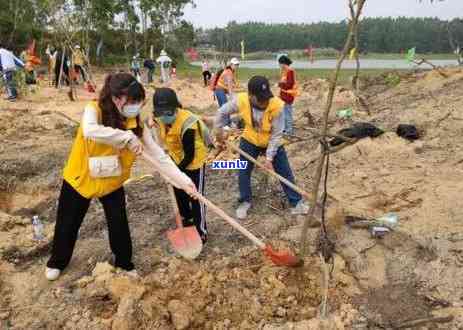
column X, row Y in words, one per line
column 78, row 57
column 221, row 81
column 172, row 138
column 294, row 92
column 76, row 171
column 259, row 137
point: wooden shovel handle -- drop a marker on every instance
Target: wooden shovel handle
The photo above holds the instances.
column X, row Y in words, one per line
column 173, row 200
column 272, row 173
column 234, row 223
column 214, row 208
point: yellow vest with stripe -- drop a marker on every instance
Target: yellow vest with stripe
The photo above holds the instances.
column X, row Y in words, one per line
column 294, row 92
column 221, row 82
column 76, row 172
column 172, row 139
column 258, row 136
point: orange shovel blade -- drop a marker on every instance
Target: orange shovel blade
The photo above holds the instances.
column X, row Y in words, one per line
column 282, row 258
column 186, row 241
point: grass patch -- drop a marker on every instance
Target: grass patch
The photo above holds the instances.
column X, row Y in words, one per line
column 185, row 70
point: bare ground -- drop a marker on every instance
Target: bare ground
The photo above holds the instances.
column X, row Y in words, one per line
column 414, row 273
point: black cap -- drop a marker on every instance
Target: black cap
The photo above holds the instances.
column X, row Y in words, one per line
column 260, row 87
column 165, row 102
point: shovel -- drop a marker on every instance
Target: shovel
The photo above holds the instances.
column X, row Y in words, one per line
column 184, row 240
column 279, row 258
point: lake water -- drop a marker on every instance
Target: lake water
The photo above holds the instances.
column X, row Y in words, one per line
column 347, row 64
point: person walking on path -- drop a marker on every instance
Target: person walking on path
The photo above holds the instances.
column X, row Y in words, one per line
column 225, row 82
column 206, row 73
column 108, row 140
column 288, row 91
column 62, row 64
column 262, row 134
column 51, row 57
column 164, row 62
column 8, row 66
column 183, row 134
column 151, row 67
column 79, row 60
column 135, row 67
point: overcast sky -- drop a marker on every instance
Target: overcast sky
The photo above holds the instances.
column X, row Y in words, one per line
column 210, row 13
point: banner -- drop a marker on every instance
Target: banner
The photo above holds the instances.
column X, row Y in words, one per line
column 411, row 55
column 192, row 54
column 353, row 53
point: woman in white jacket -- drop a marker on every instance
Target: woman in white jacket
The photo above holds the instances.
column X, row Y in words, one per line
column 107, row 143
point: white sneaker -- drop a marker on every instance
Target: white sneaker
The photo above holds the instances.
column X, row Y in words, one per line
column 52, row 274
column 300, row 208
column 242, row 210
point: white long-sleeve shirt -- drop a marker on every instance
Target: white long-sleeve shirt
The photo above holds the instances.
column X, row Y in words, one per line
column 8, row 59
column 119, row 139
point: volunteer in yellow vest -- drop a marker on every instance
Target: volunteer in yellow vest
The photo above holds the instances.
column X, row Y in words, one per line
column 288, row 91
column 104, row 150
column 263, row 131
column 182, row 134
column 79, row 60
column 225, row 82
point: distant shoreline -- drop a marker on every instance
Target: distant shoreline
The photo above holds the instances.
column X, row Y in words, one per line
column 325, row 55
column 365, row 63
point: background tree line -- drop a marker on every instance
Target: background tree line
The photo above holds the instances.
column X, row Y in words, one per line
column 379, row 35
column 119, row 28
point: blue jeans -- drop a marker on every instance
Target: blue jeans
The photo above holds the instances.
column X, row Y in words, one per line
column 288, row 113
column 280, row 164
column 10, row 84
column 221, row 96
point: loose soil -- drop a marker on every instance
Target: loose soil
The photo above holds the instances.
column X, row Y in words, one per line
column 413, row 273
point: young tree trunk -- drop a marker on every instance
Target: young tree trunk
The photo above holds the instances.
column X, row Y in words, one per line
column 329, row 104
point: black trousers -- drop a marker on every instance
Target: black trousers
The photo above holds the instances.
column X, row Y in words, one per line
column 207, row 76
column 72, row 208
column 65, row 73
column 192, row 211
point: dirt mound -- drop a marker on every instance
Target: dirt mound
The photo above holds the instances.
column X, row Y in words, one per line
column 376, row 284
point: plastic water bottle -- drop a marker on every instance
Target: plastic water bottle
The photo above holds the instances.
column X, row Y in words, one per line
column 37, row 227
column 390, row 220
column 379, row 232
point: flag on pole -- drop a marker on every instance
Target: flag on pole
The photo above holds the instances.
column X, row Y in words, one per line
column 353, row 53
column 411, row 55
column 242, row 50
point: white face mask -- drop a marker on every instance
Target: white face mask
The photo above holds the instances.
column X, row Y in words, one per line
column 131, row 110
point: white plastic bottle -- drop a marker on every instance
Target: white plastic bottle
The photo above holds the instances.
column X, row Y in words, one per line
column 37, row 227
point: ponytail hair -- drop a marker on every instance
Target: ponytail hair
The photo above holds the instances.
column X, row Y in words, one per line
column 119, row 84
